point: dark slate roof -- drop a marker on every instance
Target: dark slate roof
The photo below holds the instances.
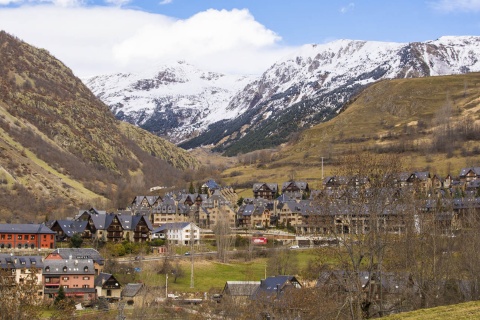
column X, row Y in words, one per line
column 464, row 171
column 273, row 286
column 102, row 278
column 271, row 186
column 8, row 261
column 25, row 228
column 172, row 226
column 131, row 289
column 71, row 266
column 240, row 288
column 79, row 254
column 299, row 184
column 70, row 227
column 211, row 184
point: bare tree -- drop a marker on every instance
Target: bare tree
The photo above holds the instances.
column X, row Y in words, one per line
column 223, row 235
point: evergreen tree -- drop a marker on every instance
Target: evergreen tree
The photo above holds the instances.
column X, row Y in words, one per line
column 191, row 189
column 60, row 296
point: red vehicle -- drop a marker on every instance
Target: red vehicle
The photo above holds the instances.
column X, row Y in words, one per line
column 259, row 240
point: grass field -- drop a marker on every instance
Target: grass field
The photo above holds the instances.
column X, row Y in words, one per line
column 462, row 311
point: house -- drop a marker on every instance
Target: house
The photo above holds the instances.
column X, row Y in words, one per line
column 253, row 216
column 134, row 293
column 268, row 191
column 26, row 237
column 141, row 203
column 23, row 268
column 135, row 228
column 298, row 189
column 210, row 187
column 469, row 174
column 108, row 287
column 179, row 232
column 79, row 254
column 275, row 288
column 239, row 291
column 290, row 213
column 65, row 229
column 76, row 276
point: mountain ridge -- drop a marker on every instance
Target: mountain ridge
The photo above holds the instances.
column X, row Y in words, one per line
column 311, row 85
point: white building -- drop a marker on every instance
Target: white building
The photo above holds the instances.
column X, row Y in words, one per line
column 178, row 232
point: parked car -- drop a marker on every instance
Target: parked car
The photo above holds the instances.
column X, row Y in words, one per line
column 295, row 247
column 187, row 253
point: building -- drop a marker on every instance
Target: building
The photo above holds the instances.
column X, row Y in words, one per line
column 77, row 277
column 23, row 268
column 79, row 254
column 108, row 287
column 179, row 232
column 26, row 236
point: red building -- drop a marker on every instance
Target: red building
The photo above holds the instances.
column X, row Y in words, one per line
column 26, row 236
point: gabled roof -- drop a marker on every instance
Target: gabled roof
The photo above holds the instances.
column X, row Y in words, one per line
column 25, row 228
column 211, row 184
column 80, row 254
column 270, row 186
column 273, row 287
column 70, row 227
column 131, row 289
column 240, row 288
column 69, row 266
column 104, row 277
column 465, row 171
column 174, row 226
column 302, row 185
column 8, row 261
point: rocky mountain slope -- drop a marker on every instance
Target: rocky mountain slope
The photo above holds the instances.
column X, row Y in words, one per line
column 60, row 146
column 301, row 90
column 175, row 101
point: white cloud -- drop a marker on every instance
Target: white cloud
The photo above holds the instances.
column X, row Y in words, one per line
column 456, row 5
column 7, row 2
column 100, row 40
column 165, row 2
column 118, row 2
column 348, row 7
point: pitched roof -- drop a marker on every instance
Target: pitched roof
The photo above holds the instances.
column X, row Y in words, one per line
column 104, row 277
column 25, row 228
column 272, row 287
column 71, row 227
column 8, row 261
column 131, row 289
column 240, row 288
column 69, row 266
column 79, row 254
column 174, row 226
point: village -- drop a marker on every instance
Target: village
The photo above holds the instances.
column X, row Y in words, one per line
column 292, row 216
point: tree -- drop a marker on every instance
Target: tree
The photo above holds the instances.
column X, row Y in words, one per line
column 20, row 300
column 223, row 236
column 191, row 188
column 60, row 296
column 366, row 209
column 282, row 262
column 76, row 241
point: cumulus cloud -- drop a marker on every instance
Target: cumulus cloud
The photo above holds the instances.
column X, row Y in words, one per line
column 348, row 7
column 99, row 40
column 456, row 5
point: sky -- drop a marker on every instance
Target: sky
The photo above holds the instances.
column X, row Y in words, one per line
column 94, row 37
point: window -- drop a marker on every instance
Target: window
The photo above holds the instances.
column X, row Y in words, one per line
column 44, row 237
column 47, row 269
column 65, row 278
column 19, row 246
column 32, row 237
column 26, row 245
column 3, row 237
column 64, row 269
column 9, row 237
column 65, row 287
column 19, row 237
column 85, row 286
column 86, row 278
column 85, row 269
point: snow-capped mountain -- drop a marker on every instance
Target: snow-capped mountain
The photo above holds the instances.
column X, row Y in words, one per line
column 303, row 89
column 173, row 101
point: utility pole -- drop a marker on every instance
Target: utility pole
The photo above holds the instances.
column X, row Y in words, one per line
column 322, row 169
column 166, row 285
column 192, row 240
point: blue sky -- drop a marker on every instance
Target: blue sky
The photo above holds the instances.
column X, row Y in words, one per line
column 104, row 36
